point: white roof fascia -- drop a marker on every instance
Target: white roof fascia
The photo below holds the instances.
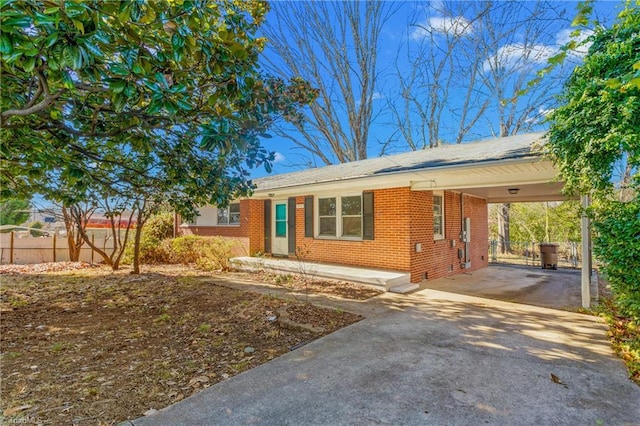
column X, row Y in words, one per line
column 421, row 176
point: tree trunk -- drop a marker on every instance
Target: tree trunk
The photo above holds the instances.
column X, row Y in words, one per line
column 136, row 242
column 136, row 250
column 74, row 238
column 74, row 250
column 503, row 228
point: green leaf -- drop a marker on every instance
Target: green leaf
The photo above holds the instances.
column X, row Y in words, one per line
column 79, row 25
column 92, row 48
column 136, row 12
column 557, row 59
column 76, row 63
column 29, row 64
column 635, row 82
column 184, row 105
column 119, row 69
column 67, row 81
column 33, row 51
column 171, row 107
column 20, row 21
column 12, row 57
column 613, row 83
column 123, row 15
column 51, row 40
column 119, row 101
column 118, row 86
column 177, row 41
column 160, row 79
column 75, row 172
column 5, row 44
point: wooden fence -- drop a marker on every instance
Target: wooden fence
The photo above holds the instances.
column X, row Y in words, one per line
column 30, row 250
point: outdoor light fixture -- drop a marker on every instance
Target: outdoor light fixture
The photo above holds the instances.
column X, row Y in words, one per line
column 513, row 191
column 271, row 194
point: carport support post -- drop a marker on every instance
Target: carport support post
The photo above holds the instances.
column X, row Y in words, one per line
column 586, row 254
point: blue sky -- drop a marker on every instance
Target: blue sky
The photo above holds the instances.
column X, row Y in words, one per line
column 404, row 30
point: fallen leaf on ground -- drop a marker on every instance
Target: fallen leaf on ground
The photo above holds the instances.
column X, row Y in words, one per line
column 556, row 379
column 15, row 410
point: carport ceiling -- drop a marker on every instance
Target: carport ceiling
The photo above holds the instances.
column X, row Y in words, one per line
column 506, row 181
column 548, row 191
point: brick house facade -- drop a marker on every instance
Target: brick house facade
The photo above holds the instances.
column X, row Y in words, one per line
column 423, row 213
column 403, row 234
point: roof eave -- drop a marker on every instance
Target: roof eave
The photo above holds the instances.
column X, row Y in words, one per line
column 388, row 179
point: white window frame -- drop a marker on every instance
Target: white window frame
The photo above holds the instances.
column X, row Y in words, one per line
column 319, row 217
column 228, row 215
column 439, row 236
column 338, row 217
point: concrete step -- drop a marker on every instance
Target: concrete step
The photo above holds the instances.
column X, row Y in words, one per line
column 405, row 288
column 381, row 279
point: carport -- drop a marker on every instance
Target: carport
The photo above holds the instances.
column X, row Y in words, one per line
column 555, row 289
column 528, row 178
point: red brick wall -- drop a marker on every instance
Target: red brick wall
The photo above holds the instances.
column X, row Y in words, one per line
column 249, row 235
column 255, row 212
column 439, row 258
column 389, row 249
column 477, row 210
column 402, row 219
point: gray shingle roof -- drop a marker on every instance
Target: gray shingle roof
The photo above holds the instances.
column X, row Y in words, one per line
column 512, row 147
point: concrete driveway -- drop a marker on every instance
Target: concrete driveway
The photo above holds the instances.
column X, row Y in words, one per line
column 433, row 358
column 558, row 289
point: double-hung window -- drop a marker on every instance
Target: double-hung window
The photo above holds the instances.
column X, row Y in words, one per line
column 351, row 212
column 229, row 215
column 327, row 217
column 340, row 217
column 438, row 215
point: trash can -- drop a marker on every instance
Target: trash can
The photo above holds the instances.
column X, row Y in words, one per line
column 549, row 256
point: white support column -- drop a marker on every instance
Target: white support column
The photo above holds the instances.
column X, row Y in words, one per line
column 586, row 254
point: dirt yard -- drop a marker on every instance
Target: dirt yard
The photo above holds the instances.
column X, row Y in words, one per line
column 82, row 345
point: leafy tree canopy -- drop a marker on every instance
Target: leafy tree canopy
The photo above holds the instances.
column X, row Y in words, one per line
column 595, row 134
column 595, row 140
column 14, row 211
column 161, row 97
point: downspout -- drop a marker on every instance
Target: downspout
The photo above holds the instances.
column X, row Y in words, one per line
column 461, row 216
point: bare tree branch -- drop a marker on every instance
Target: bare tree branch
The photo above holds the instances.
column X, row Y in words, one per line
column 334, row 46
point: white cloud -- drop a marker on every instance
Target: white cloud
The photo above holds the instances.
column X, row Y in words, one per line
column 540, row 116
column 520, row 55
column 278, row 157
column 457, row 26
column 375, row 96
column 545, row 112
column 564, row 37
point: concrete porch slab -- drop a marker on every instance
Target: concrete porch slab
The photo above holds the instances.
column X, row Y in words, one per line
column 381, row 279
